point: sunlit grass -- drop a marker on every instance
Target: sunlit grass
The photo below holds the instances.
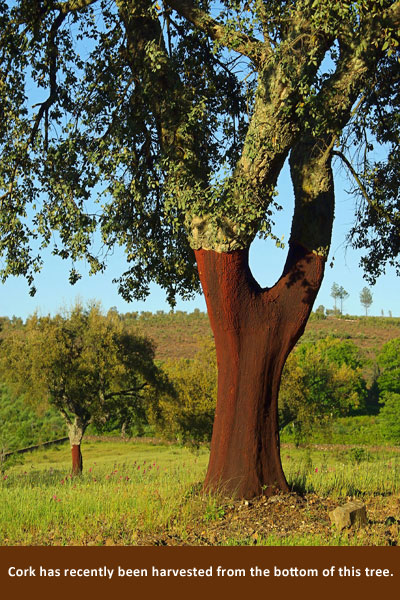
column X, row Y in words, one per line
column 343, row 473
column 130, row 489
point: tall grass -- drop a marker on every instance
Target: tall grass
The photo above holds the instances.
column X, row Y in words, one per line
column 130, row 491
column 110, row 503
column 342, row 473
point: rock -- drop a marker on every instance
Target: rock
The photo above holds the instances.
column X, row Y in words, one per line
column 353, row 513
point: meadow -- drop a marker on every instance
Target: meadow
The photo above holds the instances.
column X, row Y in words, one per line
column 149, row 493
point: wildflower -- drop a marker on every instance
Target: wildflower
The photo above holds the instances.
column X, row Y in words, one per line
column 5, row 477
column 126, row 478
column 138, row 468
column 316, row 469
column 90, row 470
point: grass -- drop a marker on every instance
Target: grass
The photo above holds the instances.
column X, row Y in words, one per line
column 140, row 492
column 128, row 488
column 342, row 473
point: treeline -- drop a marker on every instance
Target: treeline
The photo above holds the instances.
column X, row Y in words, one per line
column 85, row 369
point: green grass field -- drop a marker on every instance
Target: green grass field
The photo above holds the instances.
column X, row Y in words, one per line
column 146, row 493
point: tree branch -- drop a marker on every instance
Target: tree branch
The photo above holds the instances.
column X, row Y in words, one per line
column 125, row 392
column 53, row 52
column 73, row 5
column 234, row 40
column 364, row 192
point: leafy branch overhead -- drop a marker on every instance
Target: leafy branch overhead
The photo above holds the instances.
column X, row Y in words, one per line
column 162, row 127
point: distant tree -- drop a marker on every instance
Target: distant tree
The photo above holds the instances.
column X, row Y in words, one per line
column 335, row 293
column 86, row 364
column 320, row 381
column 390, row 313
column 366, row 299
column 343, row 295
column 320, row 310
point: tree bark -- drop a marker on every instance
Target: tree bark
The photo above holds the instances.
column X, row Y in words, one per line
column 76, row 430
column 254, row 329
column 77, row 462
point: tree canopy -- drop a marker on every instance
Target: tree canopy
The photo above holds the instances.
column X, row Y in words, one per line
column 163, row 127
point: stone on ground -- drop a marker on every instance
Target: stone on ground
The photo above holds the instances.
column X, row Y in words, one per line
column 353, row 513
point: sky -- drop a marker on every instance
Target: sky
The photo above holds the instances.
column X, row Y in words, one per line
column 266, row 262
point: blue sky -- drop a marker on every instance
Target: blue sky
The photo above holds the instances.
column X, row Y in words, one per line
column 266, row 261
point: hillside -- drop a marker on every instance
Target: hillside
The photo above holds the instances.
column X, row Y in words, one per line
column 177, row 335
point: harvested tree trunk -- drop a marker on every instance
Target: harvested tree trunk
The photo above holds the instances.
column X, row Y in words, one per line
column 254, row 329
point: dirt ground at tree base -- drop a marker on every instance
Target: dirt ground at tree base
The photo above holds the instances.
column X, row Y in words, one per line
column 285, row 519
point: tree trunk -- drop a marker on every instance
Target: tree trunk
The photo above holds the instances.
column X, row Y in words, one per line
column 254, row 331
column 77, row 462
column 76, row 430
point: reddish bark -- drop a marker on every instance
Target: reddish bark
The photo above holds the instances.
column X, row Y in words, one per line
column 254, row 331
column 77, row 463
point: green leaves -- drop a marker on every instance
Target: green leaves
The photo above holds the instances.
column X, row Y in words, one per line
column 86, row 364
column 320, row 381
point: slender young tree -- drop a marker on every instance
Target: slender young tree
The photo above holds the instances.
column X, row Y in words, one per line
column 366, row 299
column 343, row 295
column 180, row 115
column 335, row 293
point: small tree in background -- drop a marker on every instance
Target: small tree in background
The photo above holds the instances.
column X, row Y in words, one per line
column 320, row 312
column 343, row 295
column 335, row 293
column 366, row 299
column 90, row 366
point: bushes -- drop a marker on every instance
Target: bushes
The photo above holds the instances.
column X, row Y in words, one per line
column 320, row 381
column 389, row 389
column 189, row 416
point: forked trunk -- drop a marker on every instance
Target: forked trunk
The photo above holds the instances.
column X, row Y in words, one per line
column 254, row 331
